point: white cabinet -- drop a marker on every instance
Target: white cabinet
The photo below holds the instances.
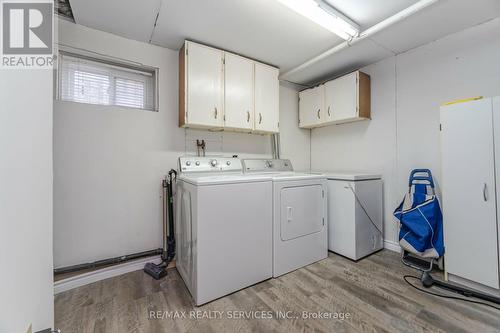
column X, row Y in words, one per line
column 469, row 137
column 342, row 97
column 311, row 107
column 203, row 78
column 266, row 99
column 343, row 100
column 221, row 90
column 238, row 92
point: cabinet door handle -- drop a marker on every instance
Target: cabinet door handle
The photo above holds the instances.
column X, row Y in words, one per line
column 319, row 117
column 260, row 118
column 248, row 116
column 485, row 192
column 215, row 113
column 329, row 114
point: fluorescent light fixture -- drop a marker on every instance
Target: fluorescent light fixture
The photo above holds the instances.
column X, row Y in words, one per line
column 323, row 14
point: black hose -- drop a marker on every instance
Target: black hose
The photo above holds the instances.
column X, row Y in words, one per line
column 406, row 277
column 106, row 262
column 172, row 175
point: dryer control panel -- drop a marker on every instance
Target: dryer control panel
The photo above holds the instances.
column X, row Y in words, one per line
column 266, row 165
column 189, row 164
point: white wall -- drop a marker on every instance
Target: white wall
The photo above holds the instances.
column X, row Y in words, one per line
column 367, row 146
column 109, row 161
column 26, row 293
column 295, row 142
column 407, row 91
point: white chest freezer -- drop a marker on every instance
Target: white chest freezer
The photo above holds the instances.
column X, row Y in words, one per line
column 355, row 219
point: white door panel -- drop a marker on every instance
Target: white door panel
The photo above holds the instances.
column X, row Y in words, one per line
column 341, row 218
column 301, row 211
column 342, row 96
column 330, row 88
column 266, row 98
column 204, row 85
column 311, row 106
column 496, row 134
column 239, row 87
column 468, row 182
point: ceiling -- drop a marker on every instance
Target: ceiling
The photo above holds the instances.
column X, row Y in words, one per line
column 268, row 31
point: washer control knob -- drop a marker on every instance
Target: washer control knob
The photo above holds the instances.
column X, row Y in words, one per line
column 197, row 163
column 269, row 164
column 228, row 163
column 213, row 163
column 188, row 163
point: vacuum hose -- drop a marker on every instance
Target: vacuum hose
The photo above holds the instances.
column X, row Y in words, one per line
column 172, row 174
column 168, row 251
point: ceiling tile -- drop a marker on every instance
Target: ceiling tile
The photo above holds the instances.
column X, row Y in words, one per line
column 128, row 18
column 366, row 13
column 265, row 30
column 354, row 57
column 442, row 18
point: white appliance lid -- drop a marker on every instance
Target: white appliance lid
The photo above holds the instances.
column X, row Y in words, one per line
column 343, row 175
column 204, row 179
column 287, row 176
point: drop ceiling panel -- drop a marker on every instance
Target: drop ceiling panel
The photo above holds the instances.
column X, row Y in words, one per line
column 358, row 55
column 268, row 31
column 368, row 12
column 442, row 18
column 262, row 29
column 127, row 18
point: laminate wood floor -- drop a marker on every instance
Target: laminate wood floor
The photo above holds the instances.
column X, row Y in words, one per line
column 371, row 293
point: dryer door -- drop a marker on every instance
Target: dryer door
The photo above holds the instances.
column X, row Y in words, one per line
column 301, row 211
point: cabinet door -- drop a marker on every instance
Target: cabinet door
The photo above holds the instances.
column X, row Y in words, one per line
column 238, row 92
column 204, row 86
column 468, row 185
column 266, row 98
column 311, row 105
column 342, row 97
column 330, row 88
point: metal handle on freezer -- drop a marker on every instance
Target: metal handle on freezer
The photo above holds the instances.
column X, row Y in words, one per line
column 329, row 114
column 319, row 117
column 260, row 118
column 215, row 113
column 485, row 196
column 248, row 116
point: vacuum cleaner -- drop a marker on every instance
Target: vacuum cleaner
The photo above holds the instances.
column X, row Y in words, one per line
column 158, row 271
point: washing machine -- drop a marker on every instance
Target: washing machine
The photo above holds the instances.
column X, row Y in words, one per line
column 299, row 200
column 223, row 227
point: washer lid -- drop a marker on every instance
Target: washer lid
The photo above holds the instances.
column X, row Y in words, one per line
column 351, row 176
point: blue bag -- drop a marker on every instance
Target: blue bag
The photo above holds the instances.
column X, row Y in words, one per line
column 421, row 230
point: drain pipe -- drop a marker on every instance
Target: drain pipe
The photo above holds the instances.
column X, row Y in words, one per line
column 275, row 145
column 413, row 9
column 106, row 262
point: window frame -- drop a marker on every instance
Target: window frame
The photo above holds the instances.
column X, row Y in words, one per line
column 114, row 62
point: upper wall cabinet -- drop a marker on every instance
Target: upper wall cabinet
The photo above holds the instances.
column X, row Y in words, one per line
column 238, row 93
column 338, row 101
column 312, row 107
column 221, row 90
column 266, row 99
column 201, row 84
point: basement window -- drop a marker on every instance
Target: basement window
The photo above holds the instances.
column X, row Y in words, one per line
column 88, row 80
